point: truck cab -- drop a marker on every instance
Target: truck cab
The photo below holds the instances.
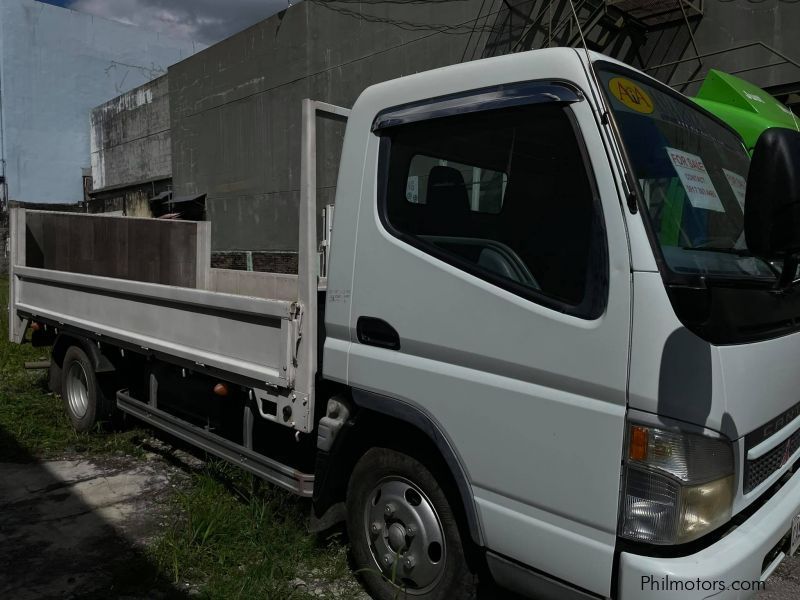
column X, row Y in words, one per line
column 546, row 269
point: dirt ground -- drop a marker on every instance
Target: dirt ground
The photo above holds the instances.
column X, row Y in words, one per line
column 78, row 529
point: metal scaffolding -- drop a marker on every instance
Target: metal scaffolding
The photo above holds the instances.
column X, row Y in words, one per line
column 615, row 27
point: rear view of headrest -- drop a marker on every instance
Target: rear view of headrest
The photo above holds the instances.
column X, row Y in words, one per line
column 446, row 190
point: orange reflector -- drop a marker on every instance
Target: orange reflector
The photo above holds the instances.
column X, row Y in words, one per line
column 221, row 389
column 638, row 444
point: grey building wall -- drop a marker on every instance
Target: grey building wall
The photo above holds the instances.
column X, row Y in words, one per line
column 235, row 107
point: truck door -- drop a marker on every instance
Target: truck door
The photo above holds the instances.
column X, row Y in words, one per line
column 491, row 242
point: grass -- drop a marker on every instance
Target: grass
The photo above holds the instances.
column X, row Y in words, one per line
column 226, row 536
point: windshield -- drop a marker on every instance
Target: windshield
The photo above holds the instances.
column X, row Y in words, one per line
column 692, row 175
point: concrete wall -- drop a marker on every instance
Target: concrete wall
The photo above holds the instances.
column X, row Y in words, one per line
column 236, row 106
column 130, row 137
column 55, row 66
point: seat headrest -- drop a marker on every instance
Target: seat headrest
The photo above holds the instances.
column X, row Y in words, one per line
column 446, row 190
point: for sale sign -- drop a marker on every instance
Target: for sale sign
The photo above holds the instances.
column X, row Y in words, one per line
column 738, row 185
column 694, row 177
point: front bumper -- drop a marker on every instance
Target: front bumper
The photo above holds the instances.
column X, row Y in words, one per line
column 730, row 568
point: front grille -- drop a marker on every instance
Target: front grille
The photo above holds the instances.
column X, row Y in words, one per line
column 759, row 469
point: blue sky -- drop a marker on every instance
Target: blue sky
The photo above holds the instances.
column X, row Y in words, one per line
column 206, row 21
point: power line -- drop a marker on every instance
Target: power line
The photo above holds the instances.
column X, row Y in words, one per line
column 458, row 29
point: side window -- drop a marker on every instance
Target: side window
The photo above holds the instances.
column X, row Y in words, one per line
column 504, row 195
column 484, row 187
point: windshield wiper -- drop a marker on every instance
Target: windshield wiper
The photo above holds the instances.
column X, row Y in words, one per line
column 741, row 252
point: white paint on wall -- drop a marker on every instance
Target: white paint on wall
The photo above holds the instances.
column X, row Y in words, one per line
column 55, row 66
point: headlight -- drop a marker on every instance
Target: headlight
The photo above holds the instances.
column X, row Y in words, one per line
column 677, row 486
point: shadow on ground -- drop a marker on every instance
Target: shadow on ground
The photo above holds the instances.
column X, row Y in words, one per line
column 65, row 528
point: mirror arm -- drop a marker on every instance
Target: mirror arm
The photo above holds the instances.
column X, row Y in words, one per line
column 788, row 273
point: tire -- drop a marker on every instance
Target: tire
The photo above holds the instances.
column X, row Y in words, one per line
column 405, row 540
column 80, row 390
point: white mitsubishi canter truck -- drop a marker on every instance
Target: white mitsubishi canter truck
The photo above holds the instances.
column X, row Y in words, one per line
column 555, row 333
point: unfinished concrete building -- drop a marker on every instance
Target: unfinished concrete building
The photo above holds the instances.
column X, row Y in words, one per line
column 131, row 151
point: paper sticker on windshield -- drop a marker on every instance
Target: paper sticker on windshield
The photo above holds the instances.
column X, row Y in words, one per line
column 412, row 189
column 631, row 95
column 694, row 177
column 738, row 185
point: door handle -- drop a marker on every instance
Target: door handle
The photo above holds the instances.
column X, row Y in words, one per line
column 377, row 332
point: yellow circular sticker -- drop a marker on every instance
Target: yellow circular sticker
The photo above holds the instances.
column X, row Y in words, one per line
column 631, row 95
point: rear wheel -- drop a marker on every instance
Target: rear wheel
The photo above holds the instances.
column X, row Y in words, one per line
column 83, row 398
column 404, row 536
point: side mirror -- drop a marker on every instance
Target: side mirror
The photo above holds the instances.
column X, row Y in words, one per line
column 772, row 201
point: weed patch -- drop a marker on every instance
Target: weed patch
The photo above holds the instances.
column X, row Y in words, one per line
column 242, row 540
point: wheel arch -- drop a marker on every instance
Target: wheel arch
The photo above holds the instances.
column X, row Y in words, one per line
column 382, row 421
column 100, row 362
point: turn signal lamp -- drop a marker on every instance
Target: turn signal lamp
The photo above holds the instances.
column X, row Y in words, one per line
column 677, row 486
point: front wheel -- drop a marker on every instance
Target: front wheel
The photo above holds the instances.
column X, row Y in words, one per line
column 404, row 537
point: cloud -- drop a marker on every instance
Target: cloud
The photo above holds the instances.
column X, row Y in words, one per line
column 205, row 21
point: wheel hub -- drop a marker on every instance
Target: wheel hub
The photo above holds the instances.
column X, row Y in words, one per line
column 405, row 535
column 77, row 390
column 397, row 537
